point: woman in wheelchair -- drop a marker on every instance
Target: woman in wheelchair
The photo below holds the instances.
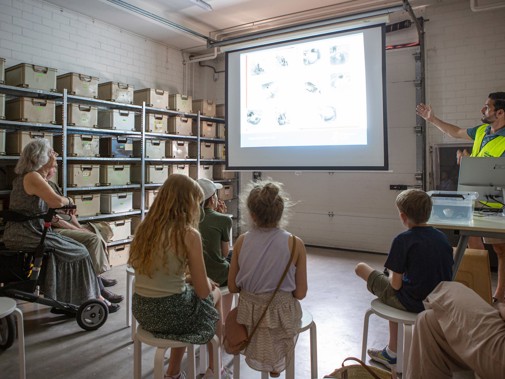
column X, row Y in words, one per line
column 69, row 274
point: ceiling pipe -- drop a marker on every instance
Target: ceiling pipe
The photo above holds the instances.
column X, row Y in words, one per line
column 203, row 57
column 476, row 8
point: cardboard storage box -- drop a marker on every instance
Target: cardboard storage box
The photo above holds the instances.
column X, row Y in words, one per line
column 78, row 84
column 225, row 193
column 84, row 116
column 220, row 151
column 16, row 141
column 2, row 142
column 180, row 125
column 207, row 129
column 154, row 174
column 155, row 123
column 199, row 172
column 136, row 220
column 121, row 229
column 115, row 91
column 2, row 106
column 181, row 103
column 119, row 254
column 149, row 197
column 206, row 150
column 205, row 107
column 221, row 131
column 2, row 70
column 7, row 175
column 182, row 169
column 83, row 175
column 452, row 206
column 220, row 111
column 154, row 148
column 156, row 98
column 79, row 145
column 116, row 202
column 87, row 205
column 114, row 175
column 116, row 119
column 31, row 76
column 29, row 109
column 118, row 147
column 220, row 172
column 177, row 149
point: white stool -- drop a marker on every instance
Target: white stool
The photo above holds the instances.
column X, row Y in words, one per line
column 130, row 320
column 162, row 345
column 7, row 307
column 306, row 323
column 405, row 320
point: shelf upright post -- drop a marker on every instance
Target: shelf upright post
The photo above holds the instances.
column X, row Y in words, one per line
column 198, row 146
column 143, row 161
column 64, row 133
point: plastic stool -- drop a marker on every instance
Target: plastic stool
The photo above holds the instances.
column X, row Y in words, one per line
column 405, row 320
column 8, row 306
column 307, row 323
column 162, row 345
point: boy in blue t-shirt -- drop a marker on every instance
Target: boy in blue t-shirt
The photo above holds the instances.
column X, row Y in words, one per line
column 418, row 260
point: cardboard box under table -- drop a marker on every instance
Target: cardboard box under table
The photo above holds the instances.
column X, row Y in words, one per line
column 29, row 109
column 87, row 204
column 115, row 91
column 452, row 206
column 84, row 116
column 31, row 76
column 116, row 202
column 118, row 147
column 156, row 98
column 79, row 145
column 78, row 84
column 16, row 141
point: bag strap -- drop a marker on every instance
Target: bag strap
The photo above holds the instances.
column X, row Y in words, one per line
column 277, row 288
column 374, row 375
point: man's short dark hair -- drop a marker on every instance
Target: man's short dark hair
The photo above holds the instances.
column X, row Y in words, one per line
column 498, row 100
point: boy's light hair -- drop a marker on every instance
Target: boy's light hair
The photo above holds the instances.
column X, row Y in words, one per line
column 416, row 204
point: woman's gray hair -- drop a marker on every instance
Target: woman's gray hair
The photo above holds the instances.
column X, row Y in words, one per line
column 34, row 155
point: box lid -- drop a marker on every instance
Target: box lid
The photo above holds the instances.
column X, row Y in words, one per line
column 454, row 195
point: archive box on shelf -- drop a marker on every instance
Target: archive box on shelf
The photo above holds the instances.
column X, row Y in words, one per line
column 117, row 147
column 207, row 129
column 119, row 254
column 79, row 145
column 221, row 131
column 220, row 111
column 120, row 202
column 206, row 150
column 2, row 106
column 2, row 142
column 154, row 174
column 225, row 193
column 221, row 173
column 154, row 148
column 220, row 151
column 116, row 119
column 31, row 76
column 182, row 169
column 83, row 175
column 156, row 98
column 2, row 70
column 177, row 149
column 115, row 91
column 121, row 229
column 115, row 174
column 205, row 107
column 181, row 103
column 87, row 204
column 452, row 206
column 149, row 197
column 180, row 125
column 201, row 171
column 84, row 116
column 29, row 109
column 16, row 141
column 78, row 84
column 155, row 123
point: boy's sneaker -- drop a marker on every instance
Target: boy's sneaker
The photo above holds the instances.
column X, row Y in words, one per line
column 382, row 357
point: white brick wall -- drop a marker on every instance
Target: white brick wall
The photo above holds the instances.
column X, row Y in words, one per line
column 33, row 31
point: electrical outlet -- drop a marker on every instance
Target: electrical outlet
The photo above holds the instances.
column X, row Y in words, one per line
column 397, row 187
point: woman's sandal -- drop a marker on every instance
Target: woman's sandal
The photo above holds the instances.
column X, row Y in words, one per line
column 274, row 374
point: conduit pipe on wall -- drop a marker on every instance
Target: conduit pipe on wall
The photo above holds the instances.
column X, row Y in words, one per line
column 474, row 6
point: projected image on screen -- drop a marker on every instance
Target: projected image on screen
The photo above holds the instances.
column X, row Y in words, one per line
column 305, row 94
column 308, row 103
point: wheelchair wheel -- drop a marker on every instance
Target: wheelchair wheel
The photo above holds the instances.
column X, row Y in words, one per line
column 7, row 331
column 92, row 314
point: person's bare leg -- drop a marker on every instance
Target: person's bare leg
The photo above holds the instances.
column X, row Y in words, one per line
column 218, row 304
column 363, row 270
column 476, row 243
column 393, row 336
column 499, row 293
column 174, row 363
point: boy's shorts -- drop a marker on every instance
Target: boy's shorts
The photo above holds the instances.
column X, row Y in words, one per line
column 380, row 286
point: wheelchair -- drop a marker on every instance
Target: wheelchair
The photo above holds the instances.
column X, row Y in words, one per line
column 20, row 274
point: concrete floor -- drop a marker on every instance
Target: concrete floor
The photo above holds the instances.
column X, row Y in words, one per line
column 56, row 347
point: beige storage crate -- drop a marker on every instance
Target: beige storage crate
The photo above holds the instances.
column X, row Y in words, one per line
column 16, row 141
column 84, row 116
column 79, row 145
column 87, row 204
column 31, row 76
column 116, row 202
column 119, row 254
column 136, row 220
column 199, row 172
column 116, row 119
column 149, row 197
column 115, row 91
column 177, row 149
column 2, row 106
column 220, row 110
column 2, row 142
column 78, row 84
column 205, row 107
column 118, row 147
column 121, row 229
column 7, row 175
column 154, row 149
column 220, row 172
column 207, row 129
column 206, row 150
column 156, row 98
column 154, row 174
column 220, row 151
column 225, row 193
column 29, row 109
column 155, row 123
column 182, row 169
column 221, row 131
column 180, row 125
column 2, row 70
column 181, row 103
column 115, row 175
column 83, row 175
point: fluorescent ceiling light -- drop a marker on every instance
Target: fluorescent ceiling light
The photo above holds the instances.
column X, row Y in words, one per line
column 202, row 4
